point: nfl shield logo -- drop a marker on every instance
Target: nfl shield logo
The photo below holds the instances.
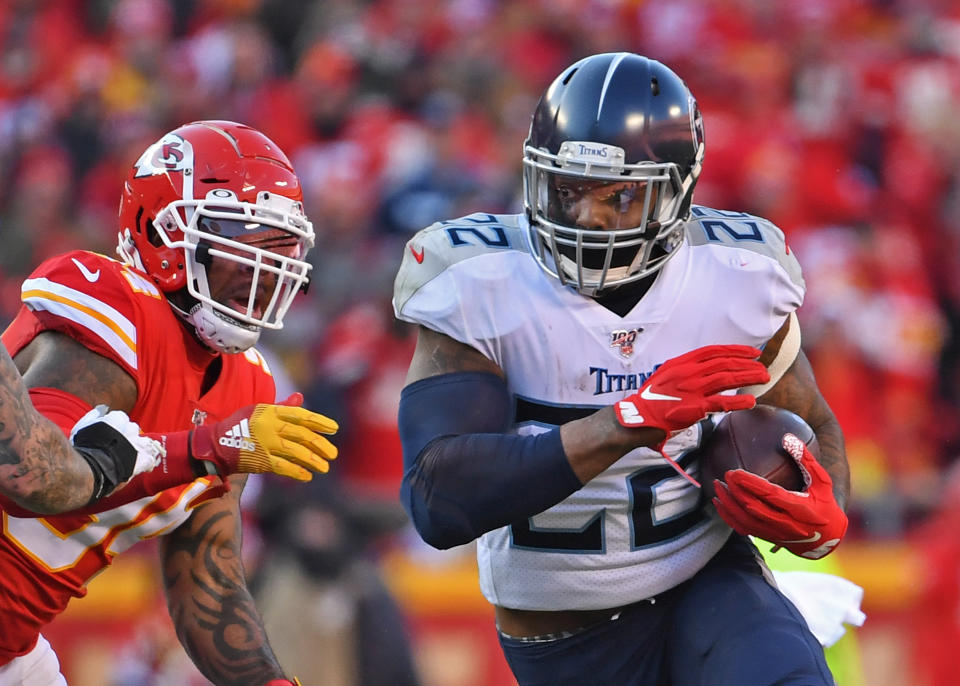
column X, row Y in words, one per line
column 624, row 339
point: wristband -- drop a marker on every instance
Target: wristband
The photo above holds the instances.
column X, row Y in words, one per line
column 200, row 451
column 111, row 457
column 93, row 459
column 284, row 682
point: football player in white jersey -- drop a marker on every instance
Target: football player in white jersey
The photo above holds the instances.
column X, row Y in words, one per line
column 569, row 361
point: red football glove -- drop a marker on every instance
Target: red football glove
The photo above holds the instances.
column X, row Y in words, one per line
column 685, row 389
column 809, row 523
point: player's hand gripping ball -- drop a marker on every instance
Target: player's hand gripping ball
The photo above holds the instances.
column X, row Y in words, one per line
column 752, row 440
column 806, row 520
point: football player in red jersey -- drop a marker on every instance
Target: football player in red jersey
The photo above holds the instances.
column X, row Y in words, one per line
column 42, row 472
column 213, row 240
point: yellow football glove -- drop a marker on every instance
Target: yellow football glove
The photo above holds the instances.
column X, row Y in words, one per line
column 282, row 439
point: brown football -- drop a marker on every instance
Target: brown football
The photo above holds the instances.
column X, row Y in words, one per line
column 750, row 440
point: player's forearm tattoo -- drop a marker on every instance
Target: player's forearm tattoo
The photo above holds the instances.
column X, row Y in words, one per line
column 797, row 391
column 38, row 469
column 214, row 613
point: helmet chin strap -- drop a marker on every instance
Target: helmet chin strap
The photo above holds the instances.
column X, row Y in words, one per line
column 216, row 332
column 213, row 329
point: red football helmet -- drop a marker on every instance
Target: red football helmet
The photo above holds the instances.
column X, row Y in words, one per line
column 217, row 189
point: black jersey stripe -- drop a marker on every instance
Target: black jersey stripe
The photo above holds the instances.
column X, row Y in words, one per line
column 529, row 410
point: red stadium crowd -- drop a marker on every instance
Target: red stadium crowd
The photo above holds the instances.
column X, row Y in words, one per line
column 835, row 119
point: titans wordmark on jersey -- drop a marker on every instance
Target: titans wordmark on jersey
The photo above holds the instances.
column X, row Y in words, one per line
column 639, row 527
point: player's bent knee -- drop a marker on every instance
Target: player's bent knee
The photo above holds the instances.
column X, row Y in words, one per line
column 766, row 657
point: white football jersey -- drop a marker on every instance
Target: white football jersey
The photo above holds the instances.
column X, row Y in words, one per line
column 638, row 528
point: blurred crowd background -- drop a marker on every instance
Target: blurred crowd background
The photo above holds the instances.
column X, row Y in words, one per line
column 835, row 119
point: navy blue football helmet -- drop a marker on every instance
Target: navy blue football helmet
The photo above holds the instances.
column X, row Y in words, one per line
column 627, row 129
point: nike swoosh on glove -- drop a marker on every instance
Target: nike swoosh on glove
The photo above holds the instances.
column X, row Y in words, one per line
column 808, row 523
column 687, row 388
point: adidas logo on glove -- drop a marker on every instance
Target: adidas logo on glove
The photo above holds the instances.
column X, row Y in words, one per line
column 238, row 437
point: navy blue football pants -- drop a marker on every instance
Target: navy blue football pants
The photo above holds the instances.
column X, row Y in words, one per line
column 727, row 626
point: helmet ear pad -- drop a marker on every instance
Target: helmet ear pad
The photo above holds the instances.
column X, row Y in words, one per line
column 164, row 264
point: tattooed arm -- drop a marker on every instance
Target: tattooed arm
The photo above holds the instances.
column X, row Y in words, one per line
column 207, row 596
column 53, row 360
column 38, row 469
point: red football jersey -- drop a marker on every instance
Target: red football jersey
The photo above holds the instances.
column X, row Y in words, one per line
column 119, row 313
